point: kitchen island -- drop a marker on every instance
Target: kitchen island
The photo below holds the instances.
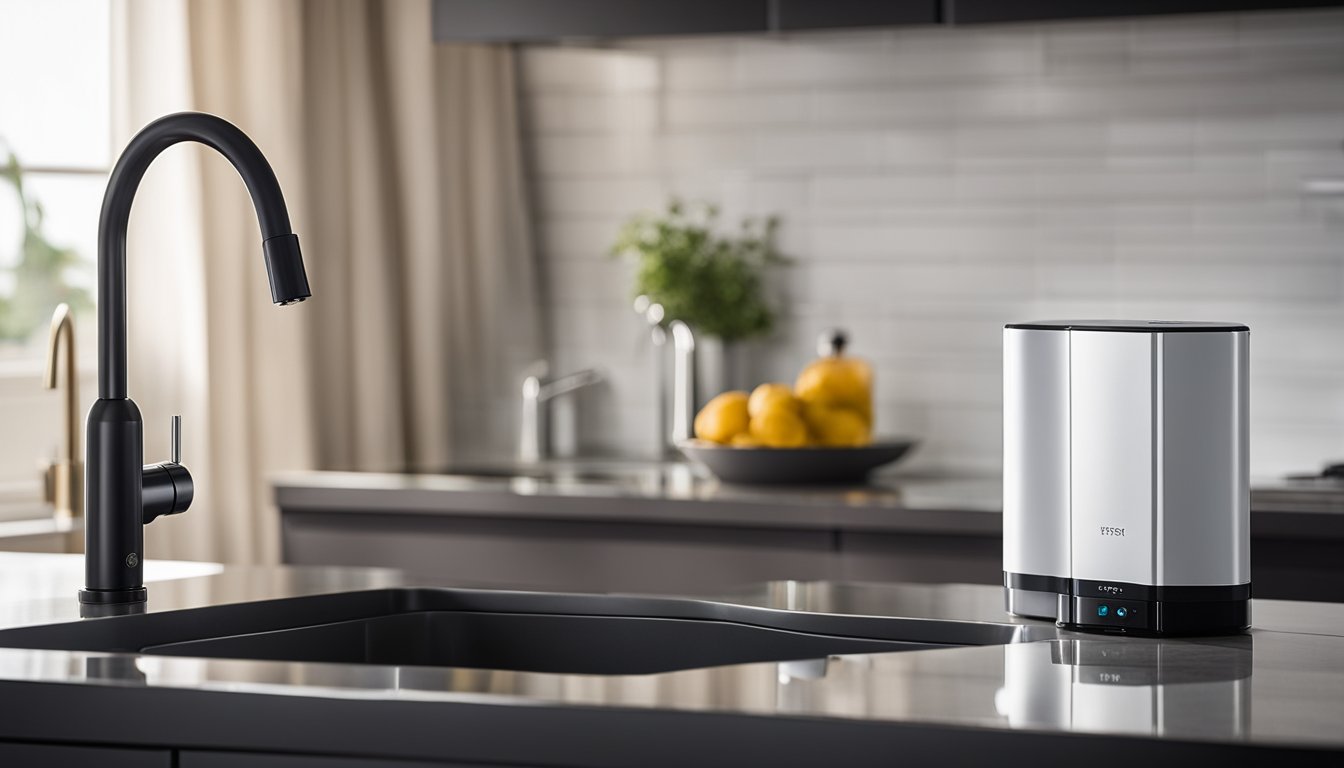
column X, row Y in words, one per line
column 669, row 528
column 1273, row 694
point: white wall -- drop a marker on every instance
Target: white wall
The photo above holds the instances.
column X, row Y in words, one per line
column 936, row 183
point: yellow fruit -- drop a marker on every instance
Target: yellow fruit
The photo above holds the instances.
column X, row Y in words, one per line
column 723, row 417
column 768, row 396
column 779, row 428
column 744, row 440
column 836, row 427
column 837, row 381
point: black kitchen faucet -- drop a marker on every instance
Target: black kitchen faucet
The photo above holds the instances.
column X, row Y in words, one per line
column 121, row 495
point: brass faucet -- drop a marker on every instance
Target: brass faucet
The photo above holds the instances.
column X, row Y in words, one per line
column 65, row 476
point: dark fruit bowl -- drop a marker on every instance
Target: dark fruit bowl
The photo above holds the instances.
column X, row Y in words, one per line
column 795, row 466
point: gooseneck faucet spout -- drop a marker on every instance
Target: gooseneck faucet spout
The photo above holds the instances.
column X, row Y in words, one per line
column 122, row 495
column 283, row 261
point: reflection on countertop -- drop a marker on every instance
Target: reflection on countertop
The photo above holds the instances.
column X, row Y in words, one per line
column 1281, row 684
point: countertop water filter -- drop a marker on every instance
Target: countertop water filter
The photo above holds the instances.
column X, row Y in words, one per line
column 1126, row 504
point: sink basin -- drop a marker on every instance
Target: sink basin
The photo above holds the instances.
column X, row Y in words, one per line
column 571, row 634
column 593, row 645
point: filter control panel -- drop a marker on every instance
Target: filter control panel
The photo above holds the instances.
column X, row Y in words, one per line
column 1111, row 614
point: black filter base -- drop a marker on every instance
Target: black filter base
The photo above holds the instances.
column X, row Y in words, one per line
column 1155, row 617
column 1131, row 609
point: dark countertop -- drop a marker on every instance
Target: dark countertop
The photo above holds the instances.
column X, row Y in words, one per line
column 653, row 492
column 680, row 493
column 1282, row 684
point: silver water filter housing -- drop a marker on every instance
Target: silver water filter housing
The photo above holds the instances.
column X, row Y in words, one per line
column 1126, row 504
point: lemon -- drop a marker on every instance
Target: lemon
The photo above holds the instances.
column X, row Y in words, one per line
column 837, row 426
column 836, row 380
column 779, row 427
column 744, row 440
column 723, row 417
column 768, row 396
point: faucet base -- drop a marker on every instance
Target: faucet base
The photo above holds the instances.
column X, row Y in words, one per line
column 112, row 596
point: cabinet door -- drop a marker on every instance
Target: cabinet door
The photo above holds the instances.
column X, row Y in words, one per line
column 828, row 14
column 76, row 757
column 983, row 11
column 521, row 20
column 193, row 759
column 920, row 558
column 553, row 555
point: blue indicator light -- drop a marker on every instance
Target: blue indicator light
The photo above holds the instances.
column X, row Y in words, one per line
column 1121, row 612
column 1102, row 610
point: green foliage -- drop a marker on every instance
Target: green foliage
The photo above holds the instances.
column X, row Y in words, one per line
column 711, row 282
column 39, row 277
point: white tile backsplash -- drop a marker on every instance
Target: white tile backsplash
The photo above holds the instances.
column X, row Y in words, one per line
column 600, row 113
column 591, row 71
column 935, row 183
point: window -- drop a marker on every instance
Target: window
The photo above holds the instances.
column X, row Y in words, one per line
column 55, row 134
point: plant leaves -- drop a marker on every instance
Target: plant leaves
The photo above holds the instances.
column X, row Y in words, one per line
column 713, row 283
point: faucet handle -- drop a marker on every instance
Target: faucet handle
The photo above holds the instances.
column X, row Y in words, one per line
column 175, row 441
column 167, row 488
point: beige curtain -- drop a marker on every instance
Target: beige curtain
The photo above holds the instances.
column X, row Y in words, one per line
column 401, row 164
column 168, row 371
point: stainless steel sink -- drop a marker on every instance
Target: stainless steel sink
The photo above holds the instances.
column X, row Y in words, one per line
column 576, row 634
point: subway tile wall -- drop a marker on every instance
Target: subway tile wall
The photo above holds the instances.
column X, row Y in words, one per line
column 936, row 183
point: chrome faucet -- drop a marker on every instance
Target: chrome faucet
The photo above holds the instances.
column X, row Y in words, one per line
column 652, row 314
column 683, row 382
column 668, row 432
column 534, row 442
column 122, row 495
column 66, row 474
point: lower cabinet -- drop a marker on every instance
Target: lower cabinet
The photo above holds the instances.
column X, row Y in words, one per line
column 23, row 755
column 77, row 757
column 544, row 554
column 920, row 558
column 626, row 557
column 191, row 759
column 1297, row 568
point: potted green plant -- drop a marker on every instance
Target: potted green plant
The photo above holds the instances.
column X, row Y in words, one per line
column 712, row 281
column 36, row 281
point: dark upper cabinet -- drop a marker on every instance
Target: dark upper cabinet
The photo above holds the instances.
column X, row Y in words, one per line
column 537, row 20
column 797, row 15
column 523, row 20
column 988, row 11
